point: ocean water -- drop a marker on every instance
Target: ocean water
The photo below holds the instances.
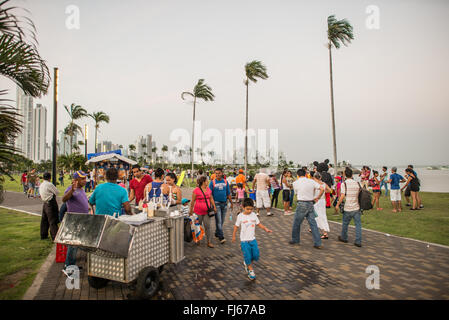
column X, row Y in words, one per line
column 431, row 180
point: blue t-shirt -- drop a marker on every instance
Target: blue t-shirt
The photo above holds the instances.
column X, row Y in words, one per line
column 108, row 198
column 221, row 190
column 395, row 178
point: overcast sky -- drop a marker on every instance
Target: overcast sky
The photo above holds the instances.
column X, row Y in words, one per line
column 132, row 59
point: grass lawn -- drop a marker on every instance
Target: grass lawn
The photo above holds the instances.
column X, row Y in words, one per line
column 429, row 224
column 15, row 185
column 21, row 253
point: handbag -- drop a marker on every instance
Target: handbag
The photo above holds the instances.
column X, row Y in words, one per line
column 188, row 237
column 210, row 211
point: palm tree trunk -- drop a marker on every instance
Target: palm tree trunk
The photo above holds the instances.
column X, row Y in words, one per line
column 96, row 142
column 193, row 136
column 332, row 108
column 246, row 130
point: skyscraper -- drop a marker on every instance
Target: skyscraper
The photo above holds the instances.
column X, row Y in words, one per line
column 24, row 141
column 39, row 133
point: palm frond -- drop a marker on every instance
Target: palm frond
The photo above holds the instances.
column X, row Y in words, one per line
column 339, row 31
column 186, row 93
column 203, row 91
column 255, row 69
column 21, row 63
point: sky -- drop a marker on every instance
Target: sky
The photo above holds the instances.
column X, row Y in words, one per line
column 132, row 59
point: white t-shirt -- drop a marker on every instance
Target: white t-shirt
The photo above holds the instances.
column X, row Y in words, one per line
column 305, row 189
column 247, row 224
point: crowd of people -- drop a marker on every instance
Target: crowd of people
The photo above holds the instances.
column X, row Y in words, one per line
column 313, row 190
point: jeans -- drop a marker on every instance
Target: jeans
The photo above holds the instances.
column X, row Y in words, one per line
column 292, row 194
column 384, row 183
column 220, row 218
column 71, row 256
column 274, row 198
column 347, row 217
column 25, row 187
column 305, row 210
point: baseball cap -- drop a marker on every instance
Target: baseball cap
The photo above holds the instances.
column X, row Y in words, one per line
column 79, row 174
column 184, row 201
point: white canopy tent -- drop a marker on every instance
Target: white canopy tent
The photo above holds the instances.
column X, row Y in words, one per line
column 110, row 156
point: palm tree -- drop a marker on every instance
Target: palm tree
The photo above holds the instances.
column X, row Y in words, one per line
column 20, row 62
column 19, row 58
column 75, row 112
column 153, row 153
column 132, row 147
column 98, row 117
column 338, row 31
column 164, row 150
column 200, row 91
column 253, row 70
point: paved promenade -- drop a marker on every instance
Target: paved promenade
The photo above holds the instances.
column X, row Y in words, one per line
column 408, row 269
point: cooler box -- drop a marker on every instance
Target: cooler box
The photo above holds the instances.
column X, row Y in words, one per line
column 61, row 253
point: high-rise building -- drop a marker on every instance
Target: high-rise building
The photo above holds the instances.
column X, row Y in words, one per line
column 24, row 141
column 39, row 133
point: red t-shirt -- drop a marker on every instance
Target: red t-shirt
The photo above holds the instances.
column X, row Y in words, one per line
column 139, row 187
column 24, row 177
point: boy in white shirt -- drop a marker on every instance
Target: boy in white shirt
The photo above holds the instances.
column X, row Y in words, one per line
column 248, row 221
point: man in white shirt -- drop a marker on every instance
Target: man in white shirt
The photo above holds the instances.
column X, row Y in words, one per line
column 350, row 190
column 305, row 191
column 262, row 185
column 50, row 208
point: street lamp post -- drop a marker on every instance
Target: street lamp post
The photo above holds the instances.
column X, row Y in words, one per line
column 55, row 122
column 85, row 140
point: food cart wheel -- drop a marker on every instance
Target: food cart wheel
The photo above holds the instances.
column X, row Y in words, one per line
column 97, row 283
column 147, row 283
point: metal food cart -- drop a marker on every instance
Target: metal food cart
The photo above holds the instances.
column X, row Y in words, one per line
column 131, row 252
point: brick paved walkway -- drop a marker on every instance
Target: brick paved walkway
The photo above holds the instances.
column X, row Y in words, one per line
column 408, row 269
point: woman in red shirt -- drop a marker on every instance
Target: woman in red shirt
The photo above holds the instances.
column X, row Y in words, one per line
column 198, row 205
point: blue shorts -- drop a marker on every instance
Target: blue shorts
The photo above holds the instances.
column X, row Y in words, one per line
column 250, row 251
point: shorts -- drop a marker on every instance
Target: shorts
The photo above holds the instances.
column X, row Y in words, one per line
column 286, row 195
column 376, row 190
column 395, row 195
column 263, row 199
column 250, row 251
column 31, row 185
column 407, row 191
column 414, row 188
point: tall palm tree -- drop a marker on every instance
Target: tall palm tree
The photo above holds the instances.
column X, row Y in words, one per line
column 253, row 70
column 338, row 31
column 164, row 150
column 75, row 112
column 200, row 91
column 98, row 117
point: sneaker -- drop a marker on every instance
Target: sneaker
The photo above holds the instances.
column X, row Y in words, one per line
column 293, row 243
column 222, row 241
column 342, row 240
column 269, row 214
column 251, row 275
column 246, row 267
column 288, row 213
column 358, row 245
column 318, row 247
column 421, row 206
column 408, row 205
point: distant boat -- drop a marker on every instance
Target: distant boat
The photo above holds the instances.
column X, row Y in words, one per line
column 434, row 168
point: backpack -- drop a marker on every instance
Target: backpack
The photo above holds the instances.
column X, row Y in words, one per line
column 365, row 199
